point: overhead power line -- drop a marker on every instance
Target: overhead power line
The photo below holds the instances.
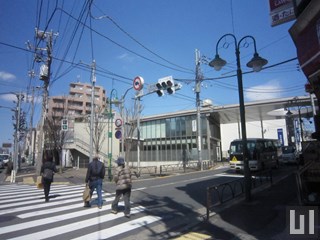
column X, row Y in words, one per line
column 135, row 40
column 121, row 46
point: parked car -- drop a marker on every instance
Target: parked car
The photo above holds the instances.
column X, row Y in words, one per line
column 289, row 155
column 5, row 158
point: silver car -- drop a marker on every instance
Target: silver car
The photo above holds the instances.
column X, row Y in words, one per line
column 289, row 155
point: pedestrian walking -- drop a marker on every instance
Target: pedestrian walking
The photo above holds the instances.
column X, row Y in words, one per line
column 94, row 177
column 48, row 169
column 122, row 178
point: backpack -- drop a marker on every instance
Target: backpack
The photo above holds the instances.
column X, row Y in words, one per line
column 96, row 169
column 47, row 174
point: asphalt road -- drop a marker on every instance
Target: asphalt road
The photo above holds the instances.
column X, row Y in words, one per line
column 162, row 209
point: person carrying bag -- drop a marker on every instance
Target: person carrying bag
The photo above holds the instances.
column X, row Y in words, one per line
column 94, row 177
column 47, row 171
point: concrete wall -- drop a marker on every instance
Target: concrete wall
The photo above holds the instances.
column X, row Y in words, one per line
column 81, row 131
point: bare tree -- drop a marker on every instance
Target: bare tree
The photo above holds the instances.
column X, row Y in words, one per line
column 130, row 120
column 55, row 137
column 100, row 123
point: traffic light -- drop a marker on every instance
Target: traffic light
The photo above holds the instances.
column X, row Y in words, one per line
column 159, row 89
column 166, row 84
column 64, row 125
column 170, row 86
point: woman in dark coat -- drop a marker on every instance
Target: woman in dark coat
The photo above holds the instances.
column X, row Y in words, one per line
column 47, row 171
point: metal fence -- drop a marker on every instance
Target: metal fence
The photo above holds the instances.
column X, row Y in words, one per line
column 221, row 193
column 180, row 167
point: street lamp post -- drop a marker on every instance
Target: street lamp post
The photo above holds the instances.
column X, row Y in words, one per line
column 123, row 137
column 256, row 63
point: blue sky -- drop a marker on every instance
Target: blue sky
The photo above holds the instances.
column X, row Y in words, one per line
column 152, row 39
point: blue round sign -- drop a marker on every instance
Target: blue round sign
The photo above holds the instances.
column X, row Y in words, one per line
column 118, row 134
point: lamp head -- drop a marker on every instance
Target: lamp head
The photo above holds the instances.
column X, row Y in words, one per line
column 217, row 63
column 289, row 113
column 257, row 62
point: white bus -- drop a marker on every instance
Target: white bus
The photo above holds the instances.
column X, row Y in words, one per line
column 262, row 154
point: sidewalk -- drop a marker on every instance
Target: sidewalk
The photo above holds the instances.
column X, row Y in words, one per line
column 28, row 175
column 262, row 218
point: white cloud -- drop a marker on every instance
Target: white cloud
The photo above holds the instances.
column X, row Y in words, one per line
column 270, row 90
column 8, row 77
column 126, row 57
column 8, row 97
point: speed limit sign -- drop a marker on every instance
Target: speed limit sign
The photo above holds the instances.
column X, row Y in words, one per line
column 138, row 83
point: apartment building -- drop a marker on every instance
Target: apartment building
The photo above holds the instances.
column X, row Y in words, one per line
column 78, row 103
column 75, row 108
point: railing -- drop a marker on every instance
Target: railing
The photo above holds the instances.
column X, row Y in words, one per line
column 194, row 165
column 86, row 147
column 221, row 193
column 150, row 170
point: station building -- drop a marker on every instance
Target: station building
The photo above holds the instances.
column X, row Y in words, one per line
column 165, row 138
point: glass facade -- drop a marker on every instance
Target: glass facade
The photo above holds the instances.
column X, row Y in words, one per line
column 165, row 139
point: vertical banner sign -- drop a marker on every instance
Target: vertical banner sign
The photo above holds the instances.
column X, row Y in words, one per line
column 280, row 136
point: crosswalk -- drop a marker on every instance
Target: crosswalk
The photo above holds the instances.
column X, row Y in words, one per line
column 25, row 215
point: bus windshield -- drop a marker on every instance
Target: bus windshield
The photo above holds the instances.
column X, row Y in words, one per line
column 236, row 146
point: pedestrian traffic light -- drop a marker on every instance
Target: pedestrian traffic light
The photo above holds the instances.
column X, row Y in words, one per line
column 64, row 125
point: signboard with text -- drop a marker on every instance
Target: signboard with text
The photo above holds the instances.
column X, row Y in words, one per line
column 281, row 11
column 6, row 145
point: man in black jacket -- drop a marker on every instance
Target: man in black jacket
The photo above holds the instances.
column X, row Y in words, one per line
column 47, row 171
column 94, row 177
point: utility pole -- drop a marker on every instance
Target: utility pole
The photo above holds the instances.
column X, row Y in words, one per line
column 198, row 104
column 45, row 71
column 16, row 139
column 31, row 128
column 93, row 82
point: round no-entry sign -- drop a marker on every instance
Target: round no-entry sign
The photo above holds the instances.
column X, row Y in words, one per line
column 138, row 83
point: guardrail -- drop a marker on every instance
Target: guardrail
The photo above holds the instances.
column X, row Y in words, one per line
column 221, row 193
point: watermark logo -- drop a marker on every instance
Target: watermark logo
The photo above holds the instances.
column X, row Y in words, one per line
column 303, row 222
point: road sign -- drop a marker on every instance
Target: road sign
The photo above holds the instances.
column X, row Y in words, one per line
column 118, row 134
column 138, row 83
column 118, row 122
